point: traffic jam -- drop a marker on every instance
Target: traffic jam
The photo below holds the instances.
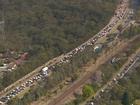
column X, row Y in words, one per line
column 115, row 80
column 119, row 14
column 29, row 83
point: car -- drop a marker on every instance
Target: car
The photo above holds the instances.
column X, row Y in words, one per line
column 91, row 103
column 102, row 90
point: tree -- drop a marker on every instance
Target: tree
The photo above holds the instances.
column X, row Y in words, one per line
column 125, row 99
column 87, row 91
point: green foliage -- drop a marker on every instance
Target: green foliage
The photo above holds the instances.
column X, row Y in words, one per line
column 87, row 91
column 125, row 99
column 131, row 31
column 78, row 100
column 125, row 92
column 49, row 28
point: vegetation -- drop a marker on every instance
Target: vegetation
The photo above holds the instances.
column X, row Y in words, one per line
column 87, row 91
column 125, row 99
column 131, row 31
column 108, row 70
column 134, row 29
column 46, row 29
column 67, row 70
column 126, row 92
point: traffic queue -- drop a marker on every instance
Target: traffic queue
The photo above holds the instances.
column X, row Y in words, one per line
column 29, row 83
column 120, row 12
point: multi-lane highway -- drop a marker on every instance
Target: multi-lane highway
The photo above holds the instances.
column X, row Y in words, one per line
column 38, row 74
column 122, row 72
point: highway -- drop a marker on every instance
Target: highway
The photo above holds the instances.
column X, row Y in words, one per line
column 61, row 98
column 30, row 79
column 114, row 80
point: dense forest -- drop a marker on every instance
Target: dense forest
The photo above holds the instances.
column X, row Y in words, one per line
column 52, row 25
column 48, row 28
